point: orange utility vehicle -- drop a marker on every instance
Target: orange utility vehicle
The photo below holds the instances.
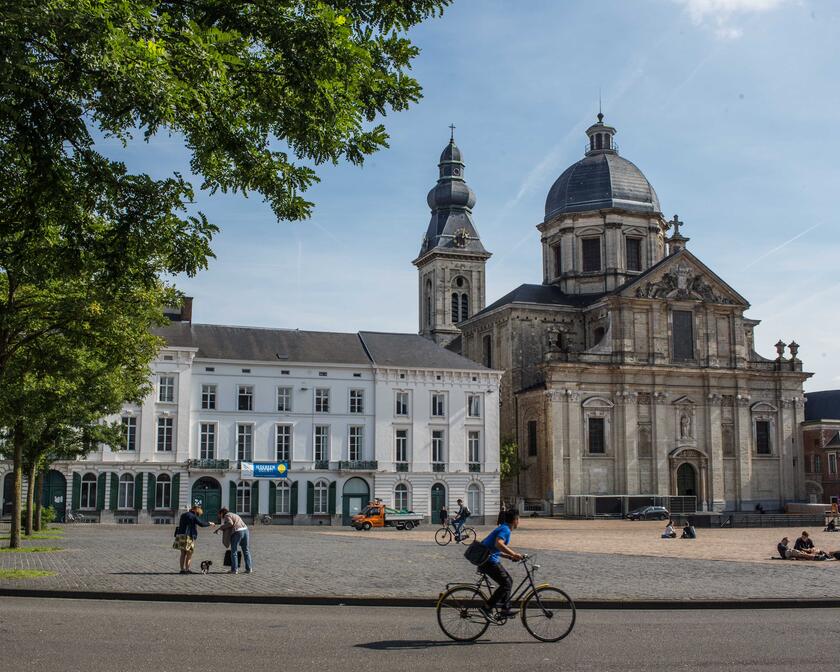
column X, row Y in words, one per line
column 376, row 514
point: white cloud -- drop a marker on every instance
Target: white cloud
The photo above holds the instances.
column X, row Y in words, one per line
column 722, row 15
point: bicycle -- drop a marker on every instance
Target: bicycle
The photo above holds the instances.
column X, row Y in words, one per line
column 547, row 612
column 70, row 517
column 447, row 533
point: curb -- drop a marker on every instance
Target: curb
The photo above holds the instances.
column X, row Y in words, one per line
column 425, row 602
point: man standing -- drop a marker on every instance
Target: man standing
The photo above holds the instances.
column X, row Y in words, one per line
column 235, row 534
column 460, row 519
column 498, row 541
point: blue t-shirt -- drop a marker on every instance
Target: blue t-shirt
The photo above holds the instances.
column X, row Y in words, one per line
column 502, row 532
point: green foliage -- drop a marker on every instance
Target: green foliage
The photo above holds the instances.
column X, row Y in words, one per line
column 32, row 549
column 24, row 573
column 509, row 462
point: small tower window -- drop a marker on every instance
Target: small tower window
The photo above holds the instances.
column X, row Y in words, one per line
column 428, row 304
column 465, row 306
column 634, row 254
column 455, row 305
column 591, row 254
column 558, row 260
column 598, row 141
column 459, row 281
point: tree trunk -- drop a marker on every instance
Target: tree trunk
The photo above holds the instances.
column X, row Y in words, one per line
column 39, row 489
column 32, row 471
column 17, row 486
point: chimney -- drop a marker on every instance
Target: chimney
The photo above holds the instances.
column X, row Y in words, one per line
column 186, row 309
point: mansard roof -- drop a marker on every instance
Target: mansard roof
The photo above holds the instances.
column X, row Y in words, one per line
column 823, row 405
column 255, row 344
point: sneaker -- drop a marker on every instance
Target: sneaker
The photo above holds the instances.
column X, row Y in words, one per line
column 507, row 613
column 249, row 571
column 234, row 571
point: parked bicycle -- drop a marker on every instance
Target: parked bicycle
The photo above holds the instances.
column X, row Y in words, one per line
column 547, row 612
column 446, row 533
column 71, row 517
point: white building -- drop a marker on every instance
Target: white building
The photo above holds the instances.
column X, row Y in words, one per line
column 354, row 416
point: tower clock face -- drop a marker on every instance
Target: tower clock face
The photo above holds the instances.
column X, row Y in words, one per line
column 461, row 237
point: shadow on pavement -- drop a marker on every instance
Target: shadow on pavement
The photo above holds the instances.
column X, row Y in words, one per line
column 414, row 644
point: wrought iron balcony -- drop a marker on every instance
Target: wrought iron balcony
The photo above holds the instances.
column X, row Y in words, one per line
column 475, row 466
column 402, row 466
column 438, row 466
column 208, row 465
column 322, row 464
column 358, row 465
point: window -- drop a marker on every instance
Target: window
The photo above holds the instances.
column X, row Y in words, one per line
column 817, row 464
column 832, row 463
column 322, row 400
column 474, row 405
column 207, row 441
column 243, row 497
column 401, row 497
column 163, row 492
column 245, row 442
column 129, row 428
column 438, row 405
column 357, row 401
column 633, row 247
column 437, row 446
column 683, row 334
column 428, row 305
column 401, row 407
column 762, row 437
column 558, row 260
column 474, row 499
column 125, row 495
column 401, row 445
column 283, row 443
column 474, row 447
column 320, row 501
column 88, row 492
column 284, row 399
column 164, row 434
column 465, row 306
column 532, row 438
column 208, row 397
column 166, row 389
column 596, row 436
column 322, row 443
column 487, row 351
column 245, row 398
column 283, row 498
column 355, row 444
column 591, row 254
column 455, row 307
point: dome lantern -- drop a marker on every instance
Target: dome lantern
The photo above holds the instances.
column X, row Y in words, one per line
column 601, row 138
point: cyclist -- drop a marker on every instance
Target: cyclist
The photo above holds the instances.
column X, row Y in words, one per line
column 460, row 519
column 498, row 541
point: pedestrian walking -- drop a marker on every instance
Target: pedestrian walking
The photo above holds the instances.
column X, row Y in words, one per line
column 235, row 535
column 186, row 533
column 443, row 515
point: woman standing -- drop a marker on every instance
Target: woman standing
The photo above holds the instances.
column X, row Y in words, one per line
column 443, row 515
column 185, row 535
column 235, row 535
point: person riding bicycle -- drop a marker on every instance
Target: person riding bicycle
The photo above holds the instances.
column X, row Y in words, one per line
column 498, row 541
column 460, row 519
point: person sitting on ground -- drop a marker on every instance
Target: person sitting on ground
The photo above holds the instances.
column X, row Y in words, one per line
column 688, row 531
column 669, row 532
column 831, row 527
column 786, row 553
column 806, row 545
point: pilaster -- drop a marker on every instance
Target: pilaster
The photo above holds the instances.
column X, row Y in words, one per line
column 662, row 430
column 715, row 433
column 743, row 430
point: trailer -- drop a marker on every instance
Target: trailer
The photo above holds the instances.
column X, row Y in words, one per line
column 376, row 514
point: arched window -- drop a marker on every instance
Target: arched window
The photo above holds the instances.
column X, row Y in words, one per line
column 243, row 497
column 474, row 499
column 125, row 497
column 319, row 505
column 88, row 500
column 163, row 492
column 401, row 497
column 455, row 319
column 283, row 501
column 598, row 141
column 428, row 304
column 465, row 306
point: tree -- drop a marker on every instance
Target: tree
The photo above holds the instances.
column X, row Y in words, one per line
column 509, row 462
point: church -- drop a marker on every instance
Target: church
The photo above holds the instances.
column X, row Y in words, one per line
column 630, row 369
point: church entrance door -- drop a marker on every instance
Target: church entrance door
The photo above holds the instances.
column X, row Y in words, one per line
column 686, row 481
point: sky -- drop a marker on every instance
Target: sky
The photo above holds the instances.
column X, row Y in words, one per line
column 729, row 107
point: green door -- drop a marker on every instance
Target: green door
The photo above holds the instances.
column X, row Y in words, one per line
column 438, row 499
column 354, row 497
column 55, row 493
column 207, row 493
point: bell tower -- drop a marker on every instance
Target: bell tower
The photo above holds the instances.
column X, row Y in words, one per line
column 452, row 259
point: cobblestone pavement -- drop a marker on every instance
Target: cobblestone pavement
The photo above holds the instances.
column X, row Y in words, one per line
column 337, row 561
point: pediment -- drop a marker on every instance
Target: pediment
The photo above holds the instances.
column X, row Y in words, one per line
column 684, row 401
column 682, row 276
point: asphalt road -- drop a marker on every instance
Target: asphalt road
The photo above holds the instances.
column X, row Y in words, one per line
column 68, row 635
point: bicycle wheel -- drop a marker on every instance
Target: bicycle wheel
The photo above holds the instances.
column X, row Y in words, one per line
column 443, row 536
column 467, row 535
column 458, row 615
column 548, row 614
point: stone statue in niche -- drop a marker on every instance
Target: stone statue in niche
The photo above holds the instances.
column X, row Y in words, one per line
column 685, row 426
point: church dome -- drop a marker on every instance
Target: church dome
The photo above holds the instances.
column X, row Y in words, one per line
column 602, row 179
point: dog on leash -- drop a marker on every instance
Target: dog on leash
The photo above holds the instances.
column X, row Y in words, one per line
column 205, row 566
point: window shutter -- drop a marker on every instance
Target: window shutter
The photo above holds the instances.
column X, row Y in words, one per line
column 331, row 499
column 310, row 497
column 138, row 491
column 293, row 505
column 232, row 497
column 255, row 498
column 115, row 485
column 100, row 492
column 150, row 492
column 77, row 491
column 272, row 498
column 176, row 491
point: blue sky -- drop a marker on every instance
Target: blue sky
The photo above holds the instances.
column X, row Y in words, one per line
column 729, row 107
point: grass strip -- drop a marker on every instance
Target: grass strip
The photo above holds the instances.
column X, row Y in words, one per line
column 24, row 573
column 35, row 535
column 31, row 549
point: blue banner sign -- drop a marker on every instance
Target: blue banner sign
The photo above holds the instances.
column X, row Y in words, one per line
column 264, row 469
